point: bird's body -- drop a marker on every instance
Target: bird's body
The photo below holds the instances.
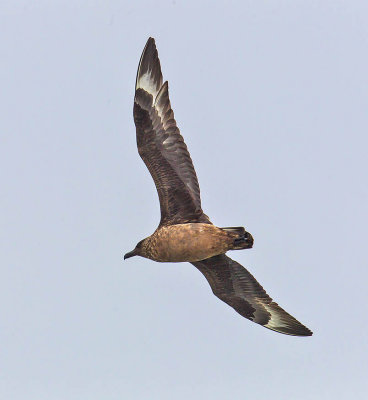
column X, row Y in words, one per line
column 192, row 242
column 185, row 233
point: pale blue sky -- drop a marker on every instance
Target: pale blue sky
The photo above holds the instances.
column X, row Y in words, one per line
column 271, row 98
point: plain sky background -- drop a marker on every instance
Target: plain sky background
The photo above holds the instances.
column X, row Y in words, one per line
column 271, row 98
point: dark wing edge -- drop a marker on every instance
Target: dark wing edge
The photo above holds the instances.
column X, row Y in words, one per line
column 237, row 287
column 161, row 145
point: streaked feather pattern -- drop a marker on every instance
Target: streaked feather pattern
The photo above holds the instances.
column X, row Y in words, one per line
column 161, row 145
column 234, row 285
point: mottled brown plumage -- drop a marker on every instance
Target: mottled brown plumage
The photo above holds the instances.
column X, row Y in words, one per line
column 192, row 242
column 185, row 233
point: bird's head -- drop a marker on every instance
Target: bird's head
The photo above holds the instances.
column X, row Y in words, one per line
column 137, row 250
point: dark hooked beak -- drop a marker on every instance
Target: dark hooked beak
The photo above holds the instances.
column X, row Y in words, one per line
column 249, row 240
column 130, row 254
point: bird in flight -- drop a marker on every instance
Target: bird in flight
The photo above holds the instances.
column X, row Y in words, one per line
column 185, row 233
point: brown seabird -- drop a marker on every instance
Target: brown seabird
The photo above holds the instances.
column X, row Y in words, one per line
column 185, row 233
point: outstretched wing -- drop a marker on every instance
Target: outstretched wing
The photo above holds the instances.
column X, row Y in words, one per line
column 234, row 285
column 161, row 146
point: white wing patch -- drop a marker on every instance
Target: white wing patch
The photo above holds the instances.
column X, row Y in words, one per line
column 276, row 320
column 146, row 83
column 162, row 105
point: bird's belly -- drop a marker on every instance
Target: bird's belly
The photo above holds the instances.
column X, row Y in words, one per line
column 190, row 242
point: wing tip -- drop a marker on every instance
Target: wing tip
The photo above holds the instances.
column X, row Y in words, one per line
column 149, row 76
column 299, row 332
column 306, row 332
column 296, row 329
